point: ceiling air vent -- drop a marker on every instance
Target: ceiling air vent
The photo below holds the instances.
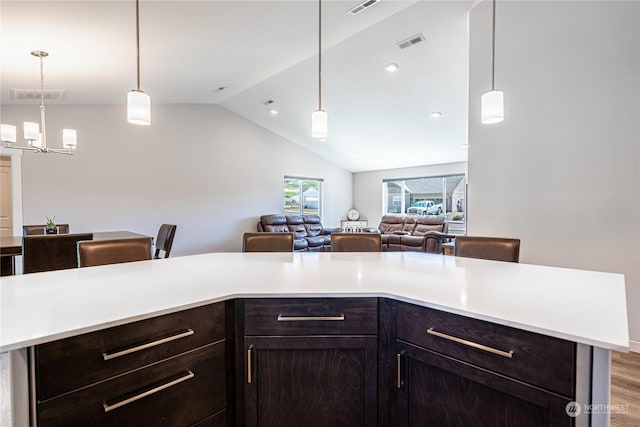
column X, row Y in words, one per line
column 362, row 6
column 31, row 94
column 410, row 41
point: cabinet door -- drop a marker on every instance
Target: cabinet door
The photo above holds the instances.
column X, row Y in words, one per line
column 436, row 390
column 310, row 381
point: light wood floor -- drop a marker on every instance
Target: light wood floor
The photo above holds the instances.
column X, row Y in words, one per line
column 625, row 389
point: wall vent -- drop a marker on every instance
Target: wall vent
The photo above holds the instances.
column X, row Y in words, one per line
column 360, row 7
column 410, row 41
column 31, row 94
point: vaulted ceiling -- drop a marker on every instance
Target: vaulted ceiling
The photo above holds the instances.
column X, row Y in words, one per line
column 261, row 51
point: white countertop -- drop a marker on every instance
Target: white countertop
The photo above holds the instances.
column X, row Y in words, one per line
column 582, row 306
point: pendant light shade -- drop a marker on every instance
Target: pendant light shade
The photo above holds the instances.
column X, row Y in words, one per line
column 492, row 107
column 492, row 102
column 69, row 138
column 319, row 124
column 138, row 108
column 8, row 133
column 138, row 102
column 31, row 131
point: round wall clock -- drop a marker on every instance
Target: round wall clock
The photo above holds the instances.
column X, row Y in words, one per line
column 353, row 215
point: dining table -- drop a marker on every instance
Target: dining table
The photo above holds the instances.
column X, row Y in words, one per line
column 11, row 246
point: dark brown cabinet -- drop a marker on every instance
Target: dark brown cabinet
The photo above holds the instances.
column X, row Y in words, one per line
column 307, row 362
column 169, row 370
column 314, row 365
column 449, row 370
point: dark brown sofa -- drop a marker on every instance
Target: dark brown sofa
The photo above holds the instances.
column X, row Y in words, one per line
column 309, row 234
column 413, row 233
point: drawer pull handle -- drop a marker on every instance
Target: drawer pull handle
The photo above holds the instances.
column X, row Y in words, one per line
column 508, row 354
column 109, row 356
column 249, row 365
column 110, row 407
column 399, row 378
column 284, row 318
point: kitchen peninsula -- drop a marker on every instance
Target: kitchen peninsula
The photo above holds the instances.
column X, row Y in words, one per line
column 530, row 338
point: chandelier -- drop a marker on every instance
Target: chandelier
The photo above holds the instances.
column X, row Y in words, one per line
column 37, row 138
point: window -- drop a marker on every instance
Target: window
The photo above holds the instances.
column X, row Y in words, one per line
column 302, row 195
column 436, row 195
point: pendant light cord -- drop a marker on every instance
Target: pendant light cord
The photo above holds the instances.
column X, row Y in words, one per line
column 319, row 54
column 138, row 46
column 493, row 47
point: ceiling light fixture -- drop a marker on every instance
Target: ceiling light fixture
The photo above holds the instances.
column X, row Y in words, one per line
column 392, row 67
column 274, row 112
column 492, row 102
column 319, row 118
column 436, row 114
column 138, row 102
column 36, row 140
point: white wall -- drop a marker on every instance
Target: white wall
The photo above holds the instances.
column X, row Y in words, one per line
column 562, row 171
column 201, row 167
column 367, row 186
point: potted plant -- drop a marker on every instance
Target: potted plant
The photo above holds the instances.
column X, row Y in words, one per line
column 50, row 227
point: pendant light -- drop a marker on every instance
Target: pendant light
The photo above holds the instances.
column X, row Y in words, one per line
column 138, row 102
column 319, row 118
column 492, row 102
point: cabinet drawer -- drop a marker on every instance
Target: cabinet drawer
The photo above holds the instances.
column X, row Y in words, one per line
column 537, row 359
column 176, row 392
column 217, row 420
column 68, row 364
column 311, row 316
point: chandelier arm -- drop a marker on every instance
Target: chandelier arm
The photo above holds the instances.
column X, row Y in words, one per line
column 66, row 151
column 22, row 147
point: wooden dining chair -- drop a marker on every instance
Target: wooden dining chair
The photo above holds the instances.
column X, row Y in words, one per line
column 267, row 242
column 36, row 230
column 164, row 241
column 102, row 252
column 356, row 242
column 51, row 251
column 491, row 248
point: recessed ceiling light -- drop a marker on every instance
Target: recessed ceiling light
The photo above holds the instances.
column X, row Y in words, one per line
column 391, row 67
column 436, row 114
column 274, row 112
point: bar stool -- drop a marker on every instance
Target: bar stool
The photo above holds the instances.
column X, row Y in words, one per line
column 267, row 242
column 491, row 248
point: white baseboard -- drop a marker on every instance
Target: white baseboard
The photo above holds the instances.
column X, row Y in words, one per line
column 634, row 346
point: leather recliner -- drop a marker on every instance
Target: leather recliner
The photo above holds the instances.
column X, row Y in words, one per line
column 309, row 234
column 412, row 233
column 424, row 235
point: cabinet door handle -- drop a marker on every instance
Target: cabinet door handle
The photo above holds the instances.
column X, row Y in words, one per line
column 249, row 364
column 399, row 373
column 475, row 345
column 115, row 354
column 111, row 406
column 285, row 318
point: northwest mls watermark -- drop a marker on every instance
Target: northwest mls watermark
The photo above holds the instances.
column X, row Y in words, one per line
column 574, row 409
